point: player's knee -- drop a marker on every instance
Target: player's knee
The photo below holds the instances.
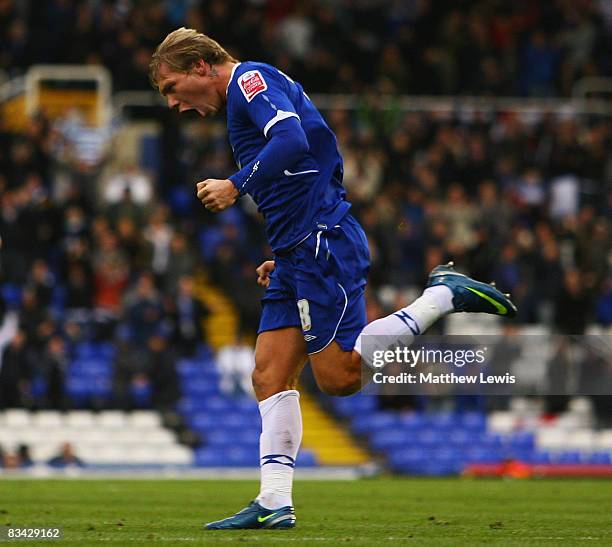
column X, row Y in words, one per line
column 266, row 383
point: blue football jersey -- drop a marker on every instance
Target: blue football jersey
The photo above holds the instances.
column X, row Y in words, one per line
column 309, row 193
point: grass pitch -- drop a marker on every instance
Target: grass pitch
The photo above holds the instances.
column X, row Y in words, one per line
column 385, row 511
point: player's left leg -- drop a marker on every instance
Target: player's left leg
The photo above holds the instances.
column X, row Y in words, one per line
column 280, row 355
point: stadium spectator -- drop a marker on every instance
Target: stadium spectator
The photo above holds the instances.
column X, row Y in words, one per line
column 53, row 369
column 187, row 314
column 144, row 310
column 32, row 317
column 133, row 244
column 128, row 178
column 126, row 207
column 25, row 458
column 111, row 269
column 182, row 262
column 235, row 363
column 16, row 372
column 66, row 457
column 165, row 391
column 79, row 287
column 158, row 232
column 573, row 304
column 42, row 281
column 10, row 461
column 131, row 374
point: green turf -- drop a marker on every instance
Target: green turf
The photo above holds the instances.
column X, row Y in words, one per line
column 368, row 512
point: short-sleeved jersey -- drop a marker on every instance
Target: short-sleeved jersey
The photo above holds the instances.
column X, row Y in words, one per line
column 306, row 195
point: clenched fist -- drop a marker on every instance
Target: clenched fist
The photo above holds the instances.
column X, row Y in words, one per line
column 263, row 273
column 217, row 194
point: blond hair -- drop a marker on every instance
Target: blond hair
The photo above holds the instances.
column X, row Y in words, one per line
column 182, row 49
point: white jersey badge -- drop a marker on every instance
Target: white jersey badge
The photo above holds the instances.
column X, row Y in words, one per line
column 251, row 84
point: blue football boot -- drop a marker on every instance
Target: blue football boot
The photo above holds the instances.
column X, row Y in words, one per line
column 256, row 516
column 470, row 295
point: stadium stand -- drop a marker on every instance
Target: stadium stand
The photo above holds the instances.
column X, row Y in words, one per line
column 513, row 189
column 106, row 439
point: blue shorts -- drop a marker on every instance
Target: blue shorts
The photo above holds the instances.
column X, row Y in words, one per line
column 319, row 286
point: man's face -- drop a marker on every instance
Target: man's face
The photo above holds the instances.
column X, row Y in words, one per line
column 194, row 90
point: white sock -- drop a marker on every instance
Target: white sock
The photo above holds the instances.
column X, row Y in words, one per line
column 281, row 435
column 412, row 320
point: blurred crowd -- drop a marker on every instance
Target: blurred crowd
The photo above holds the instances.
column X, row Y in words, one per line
column 523, row 199
column 480, row 47
column 80, row 268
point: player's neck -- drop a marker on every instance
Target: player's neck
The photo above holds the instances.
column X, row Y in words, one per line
column 224, row 73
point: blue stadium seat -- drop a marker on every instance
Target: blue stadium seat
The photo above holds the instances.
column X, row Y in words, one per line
column 354, row 405
column 39, row 387
column 242, row 457
column 488, row 440
column 389, row 439
column 201, row 421
column 566, row 457
column 199, row 388
column 105, row 350
column 220, row 437
column 429, row 438
column 246, row 404
column 188, row 406
column 460, row 438
column 442, row 420
column 181, row 200
column 240, row 420
column 11, row 295
column 521, row 441
column 85, row 350
column 413, row 421
column 91, row 367
column 58, row 299
column 140, row 395
column 217, row 403
column 101, row 387
column 209, row 457
column 226, row 457
column 78, row 390
column 375, row 422
column 209, row 239
column 474, row 421
column 482, row 455
column 539, row 457
column 306, row 458
column 407, row 457
column 599, row 458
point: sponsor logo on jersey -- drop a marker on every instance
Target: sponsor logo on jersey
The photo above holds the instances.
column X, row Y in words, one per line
column 251, row 84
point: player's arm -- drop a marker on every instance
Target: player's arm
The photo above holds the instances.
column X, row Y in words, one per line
column 286, row 145
column 260, row 96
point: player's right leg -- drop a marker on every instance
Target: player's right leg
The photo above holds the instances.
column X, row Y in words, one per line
column 343, row 366
column 280, row 355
